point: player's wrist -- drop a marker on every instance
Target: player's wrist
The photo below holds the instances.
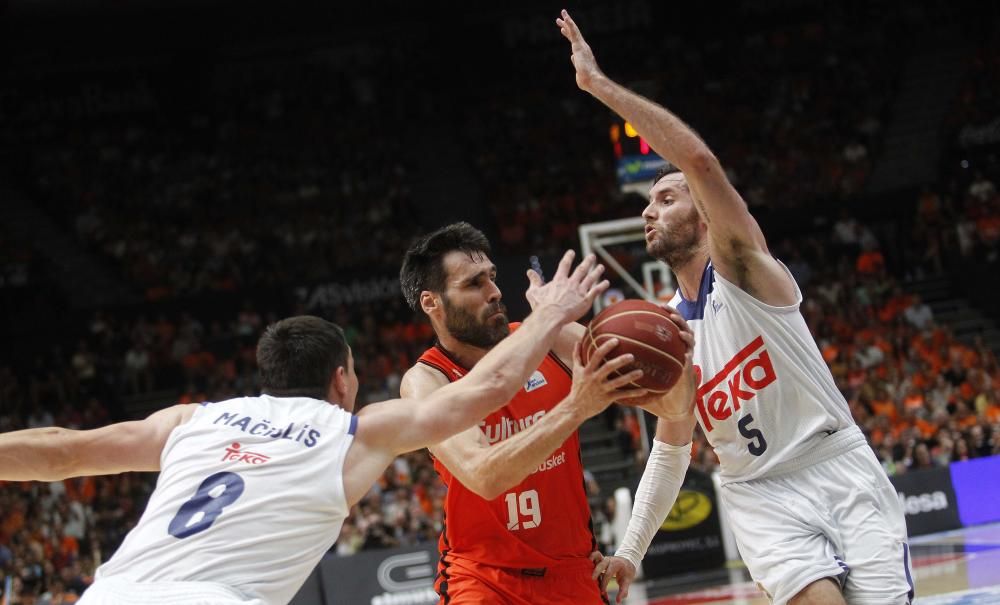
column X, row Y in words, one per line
column 630, row 555
column 552, row 315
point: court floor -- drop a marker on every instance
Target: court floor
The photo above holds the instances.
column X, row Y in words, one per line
column 960, row 567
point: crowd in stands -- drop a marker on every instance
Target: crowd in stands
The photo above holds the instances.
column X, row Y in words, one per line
column 233, row 198
column 776, row 118
column 274, row 165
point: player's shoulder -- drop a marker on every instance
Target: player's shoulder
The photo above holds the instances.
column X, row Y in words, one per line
column 422, row 379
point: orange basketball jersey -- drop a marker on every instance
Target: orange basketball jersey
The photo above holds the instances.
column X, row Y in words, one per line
column 542, row 521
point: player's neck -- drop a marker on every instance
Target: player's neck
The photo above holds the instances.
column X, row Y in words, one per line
column 689, row 274
column 465, row 355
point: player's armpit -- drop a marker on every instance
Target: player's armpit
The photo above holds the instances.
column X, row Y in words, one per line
column 736, row 243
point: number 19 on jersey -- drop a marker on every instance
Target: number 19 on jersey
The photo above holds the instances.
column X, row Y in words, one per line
column 523, row 511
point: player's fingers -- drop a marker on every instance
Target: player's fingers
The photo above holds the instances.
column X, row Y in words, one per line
column 598, row 289
column 629, row 394
column 623, row 584
column 585, row 266
column 599, row 569
column 577, row 352
column 688, row 339
column 568, row 19
column 534, row 278
column 597, row 358
column 604, row 579
column 565, row 263
column 678, row 319
column 596, row 557
column 615, row 364
column 568, row 31
column 621, row 386
column 592, row 276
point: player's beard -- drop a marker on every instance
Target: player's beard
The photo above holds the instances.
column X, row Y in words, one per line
column 676, row 245
column 479, row 332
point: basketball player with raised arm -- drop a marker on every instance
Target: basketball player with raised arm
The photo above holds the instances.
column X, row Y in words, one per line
column 253, row 491
column 517, row 521
column 814, row 515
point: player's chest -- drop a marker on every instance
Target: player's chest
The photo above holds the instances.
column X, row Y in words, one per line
column 733, row 366
column 543, row 390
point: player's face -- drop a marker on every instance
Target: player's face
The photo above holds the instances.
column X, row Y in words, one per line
column 473, row 313
column 672, row 221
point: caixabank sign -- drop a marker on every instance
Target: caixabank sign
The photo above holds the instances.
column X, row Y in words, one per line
column 397, row 576
column 690, row 538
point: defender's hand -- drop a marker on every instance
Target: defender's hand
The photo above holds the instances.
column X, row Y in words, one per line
column 572, row 294
column 618, row 568
column 587, row 71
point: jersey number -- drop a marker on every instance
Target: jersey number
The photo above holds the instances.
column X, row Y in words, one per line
column 199, row 513
column 520, row 505
column 757, row 445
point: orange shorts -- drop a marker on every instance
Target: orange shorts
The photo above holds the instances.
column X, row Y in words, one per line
column 464, row 582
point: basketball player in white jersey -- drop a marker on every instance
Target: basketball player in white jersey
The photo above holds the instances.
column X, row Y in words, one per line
column 252, row 491
column 814, row 515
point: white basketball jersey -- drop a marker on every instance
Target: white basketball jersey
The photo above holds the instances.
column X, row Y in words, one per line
column 250, row 495
column 766, row 399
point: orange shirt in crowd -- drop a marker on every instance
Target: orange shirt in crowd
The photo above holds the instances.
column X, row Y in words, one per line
column 885, row 407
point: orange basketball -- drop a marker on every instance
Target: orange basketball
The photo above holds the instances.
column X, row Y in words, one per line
column 647, row 332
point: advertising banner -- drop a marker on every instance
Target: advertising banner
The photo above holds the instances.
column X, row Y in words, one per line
column 928, row 500
column 395, row 576
column 977, row 489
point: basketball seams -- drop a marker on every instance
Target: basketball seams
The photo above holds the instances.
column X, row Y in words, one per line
column 594, row 345
column 633, row 331
column 621, row 314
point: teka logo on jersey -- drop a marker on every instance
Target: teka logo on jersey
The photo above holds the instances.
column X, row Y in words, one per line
column 234, row 453
column 507, row 427
column 750, row 367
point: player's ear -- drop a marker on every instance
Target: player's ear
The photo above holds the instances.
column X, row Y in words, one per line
column 429, row 301
column 338, row 386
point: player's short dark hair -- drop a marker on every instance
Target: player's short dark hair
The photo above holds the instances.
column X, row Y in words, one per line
column 665, row 171
column 423, row 265
column 297, row 357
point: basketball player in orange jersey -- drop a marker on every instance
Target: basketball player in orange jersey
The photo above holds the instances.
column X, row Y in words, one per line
column 814, row 515
column 517, row 521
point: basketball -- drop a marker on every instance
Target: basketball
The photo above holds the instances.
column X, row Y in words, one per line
column 646, row 331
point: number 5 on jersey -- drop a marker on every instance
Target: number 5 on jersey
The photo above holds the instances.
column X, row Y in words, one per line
column 757, row 445
column 523, row 505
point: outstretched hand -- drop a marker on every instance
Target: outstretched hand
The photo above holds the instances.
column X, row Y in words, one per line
column 587, row 71
column 571, row 293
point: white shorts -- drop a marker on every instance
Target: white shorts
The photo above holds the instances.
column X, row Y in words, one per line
column 838, row 519
column 119, row 591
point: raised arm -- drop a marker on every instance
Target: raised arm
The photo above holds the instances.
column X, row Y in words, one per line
column 736, row 243
column 53, row 453
column 392, row 427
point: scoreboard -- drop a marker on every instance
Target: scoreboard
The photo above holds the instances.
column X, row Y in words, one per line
column 637, row 164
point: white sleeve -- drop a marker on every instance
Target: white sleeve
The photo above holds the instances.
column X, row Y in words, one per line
column 658, row 488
